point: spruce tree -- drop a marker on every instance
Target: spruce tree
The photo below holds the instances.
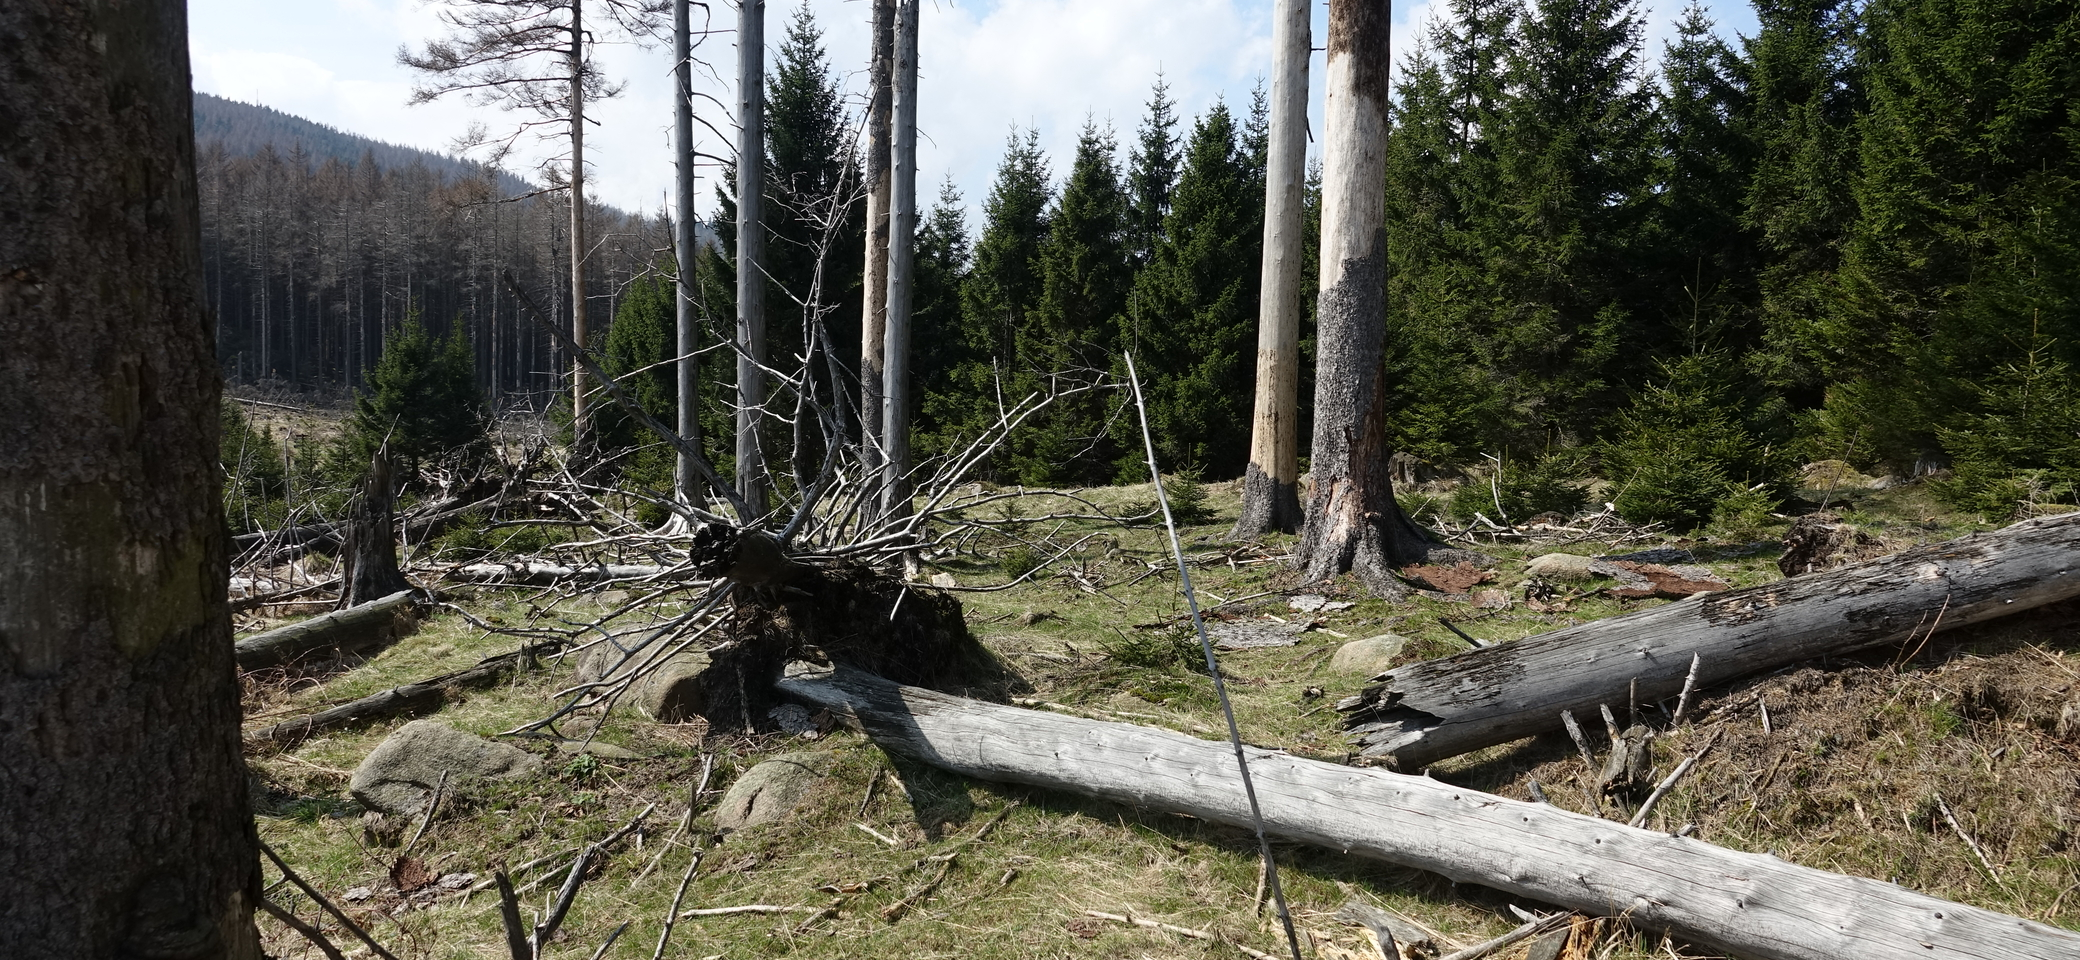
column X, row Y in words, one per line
column 810, row 168
column 1707, row 262
column 639, row 345
column 1151, row 173
column 1966, row 161
column 1571, row 144
column 1084, row 275
column 938, row 347
column 423, row 402
column 1802, row 96
column 1194, row 308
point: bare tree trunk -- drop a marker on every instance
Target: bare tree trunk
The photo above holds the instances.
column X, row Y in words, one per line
column 580, row 428
column 125, row 829
column 686, row 477
column 873, row 323
column 1270, row 488
column 902, row 238
column 751, row 280
column 1353, row 524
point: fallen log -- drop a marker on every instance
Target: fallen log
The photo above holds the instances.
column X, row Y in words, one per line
column 1423, row 712
column 371, row 624
column 424, row 696
column 1752, row 905
column 533, row 573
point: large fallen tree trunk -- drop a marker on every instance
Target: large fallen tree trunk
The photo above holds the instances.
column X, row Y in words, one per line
column 371, row 624
column 423, row 696
column 1753, row 905
column 536, row 573
column 1427, row 711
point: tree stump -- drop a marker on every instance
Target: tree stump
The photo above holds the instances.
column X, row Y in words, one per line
column 370, row 556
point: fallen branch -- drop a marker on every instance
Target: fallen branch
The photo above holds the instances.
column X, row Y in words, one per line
column 1639, row 819
column 1753, row 905
column 566, row 896
column 1180, row 931
column 1529, row 929
column 1424, row 712
column 328, row 906
column 361, row 627
column 746, row 908
column 420, row 697
column 316, row 937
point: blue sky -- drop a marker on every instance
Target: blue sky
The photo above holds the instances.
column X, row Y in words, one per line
column 984, row 65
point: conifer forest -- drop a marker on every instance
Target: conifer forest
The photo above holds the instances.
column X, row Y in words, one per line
column 1449, row 480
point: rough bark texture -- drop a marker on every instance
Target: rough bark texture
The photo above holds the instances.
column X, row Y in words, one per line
column 1441, row 708
column 124, row 825
column 751, row 237
column 370, row 555
column 1353, row 524
column 370, row 625
column 1270, row 487
column 874, row 311
column 1753, row 905
column 581, row 424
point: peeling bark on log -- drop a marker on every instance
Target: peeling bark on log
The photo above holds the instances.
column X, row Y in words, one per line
column 1753, row 905
column 1441, row 708
column 356, row 628
column 424, row 696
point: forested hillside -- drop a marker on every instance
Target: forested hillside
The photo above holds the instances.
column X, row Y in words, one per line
column 1850, row 236
column 318, row 245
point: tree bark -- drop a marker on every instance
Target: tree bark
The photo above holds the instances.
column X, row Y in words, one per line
column 125, row 829
column 1440, row 708
column 580, row 427
column 370, row 554
column 686, row 476
column 902, row 237
column 1270, row 487
column 874, row 320
column 1353, row 524
column 356, row 628
column 751, row 280
column 1753, row 905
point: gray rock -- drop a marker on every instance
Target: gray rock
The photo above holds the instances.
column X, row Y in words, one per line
column 1562, row 566
column 1662, row 555
column 1252, row 634
column 1316, row 603
column 399, row 775
column 770, row 790
column 1369, row 656
column 673, row 693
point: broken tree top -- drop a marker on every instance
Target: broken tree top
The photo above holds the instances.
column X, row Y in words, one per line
column 1428, row 711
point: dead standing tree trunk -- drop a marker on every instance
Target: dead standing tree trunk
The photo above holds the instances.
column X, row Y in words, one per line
column 1270, row 489
column 1353, row 524
column 873, row 322
column 371, row 552
column 902, row 236
column 751, row 277
column 125, row 829
column 686, row 476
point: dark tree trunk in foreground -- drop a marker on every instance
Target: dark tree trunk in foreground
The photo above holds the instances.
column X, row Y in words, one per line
column 1353, row 524
column 124, row 825
column 1271, row 489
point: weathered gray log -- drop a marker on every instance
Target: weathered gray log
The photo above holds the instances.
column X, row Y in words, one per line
column 424, row 696
column 1752, row 905
column 1423, row 712
column 535, row 573
column 371, row 624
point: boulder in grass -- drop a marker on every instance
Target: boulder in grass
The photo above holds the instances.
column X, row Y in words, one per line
column 1370, row 656
column 400, row 774
column 771, row 790
column 1562, row 566
column 672, row 693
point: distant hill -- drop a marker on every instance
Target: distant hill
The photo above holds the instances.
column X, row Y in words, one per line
column 246, row 127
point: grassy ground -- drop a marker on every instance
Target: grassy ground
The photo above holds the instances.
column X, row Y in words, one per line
column 1846, row 778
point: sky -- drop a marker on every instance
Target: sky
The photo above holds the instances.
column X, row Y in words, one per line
column 984, row 65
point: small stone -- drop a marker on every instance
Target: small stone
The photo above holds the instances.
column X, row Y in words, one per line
column 357, row 894
column 1316, row 603
column 944, row 580
column 1562, row 566
column 399, row 775
column 2069, row 721
column 456, row 881
column 770, row 790
column 1370, row 656
column 1252, row 634
column 1491, row 599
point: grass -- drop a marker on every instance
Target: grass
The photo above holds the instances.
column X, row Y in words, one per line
column 1846, row 781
